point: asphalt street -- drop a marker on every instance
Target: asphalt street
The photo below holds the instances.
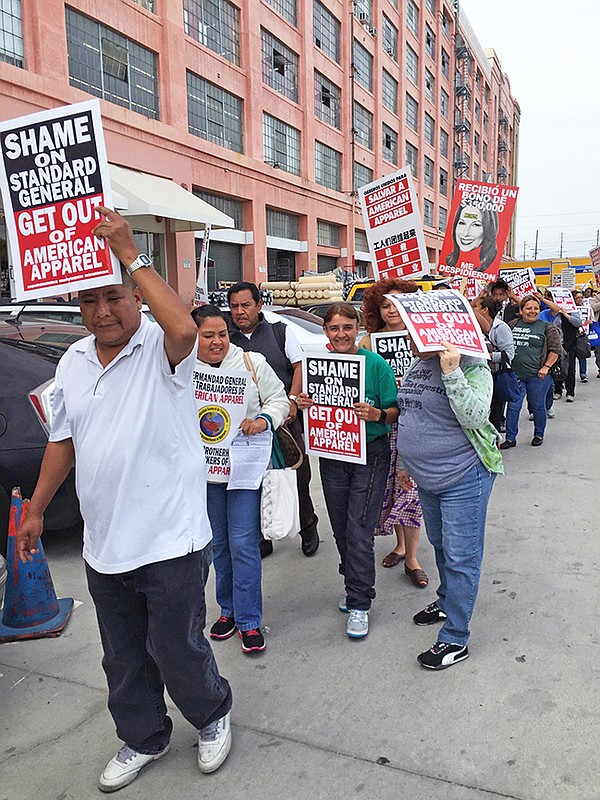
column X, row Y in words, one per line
column 321, row 716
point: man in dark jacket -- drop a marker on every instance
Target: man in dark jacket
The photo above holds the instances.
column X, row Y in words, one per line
column 280, row 347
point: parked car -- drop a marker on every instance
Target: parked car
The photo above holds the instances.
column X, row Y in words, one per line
column 29, row 353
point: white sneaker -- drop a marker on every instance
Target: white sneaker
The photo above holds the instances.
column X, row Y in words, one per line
column 550, row 413
column 531, row 418
column 343, row 604
column 358, row 623
column 125, row 767
column 214, row 744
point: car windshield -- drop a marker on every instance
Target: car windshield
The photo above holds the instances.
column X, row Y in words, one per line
column 310, row 322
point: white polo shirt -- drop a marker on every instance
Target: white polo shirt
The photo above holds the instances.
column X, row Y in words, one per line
column 139, row 461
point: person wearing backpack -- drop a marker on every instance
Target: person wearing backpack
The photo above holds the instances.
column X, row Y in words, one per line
column 279, row 346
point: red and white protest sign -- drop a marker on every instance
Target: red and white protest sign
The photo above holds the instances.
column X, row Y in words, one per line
column 563, row 298
column 53, row 173
column 441, row 316
column 586, row 315
column 475, row 239
column 470, row 287
column 393, row 226
column 335, row 382
column 595, row 261
column 520, row 281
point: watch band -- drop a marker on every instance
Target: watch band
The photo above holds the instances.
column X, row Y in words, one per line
column 293, row 397
column 382, row 417
column 141, row 261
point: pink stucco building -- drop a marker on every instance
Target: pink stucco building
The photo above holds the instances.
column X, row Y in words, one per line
column 272, row 110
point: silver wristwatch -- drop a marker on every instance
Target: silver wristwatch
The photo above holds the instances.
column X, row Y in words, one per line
column 141, row 261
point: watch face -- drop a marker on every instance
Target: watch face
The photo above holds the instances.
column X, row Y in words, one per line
column 144, row 260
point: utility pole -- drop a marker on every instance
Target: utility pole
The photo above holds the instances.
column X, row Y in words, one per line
column 597, row 237
column 536, row 245
column 561, row 243
column 524, row 245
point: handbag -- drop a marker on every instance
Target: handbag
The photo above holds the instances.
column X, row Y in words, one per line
column 582, row 346
column 594, row 334
column 279, row 505
column 506, row 385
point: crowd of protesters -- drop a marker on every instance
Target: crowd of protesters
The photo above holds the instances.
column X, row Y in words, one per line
column 124, row 407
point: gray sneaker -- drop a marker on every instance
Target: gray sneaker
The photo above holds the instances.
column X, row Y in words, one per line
column 550, row 413
column 358, row 623
column 342, row 605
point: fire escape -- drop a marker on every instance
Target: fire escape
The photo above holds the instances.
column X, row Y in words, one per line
column 503, row 130
column 462, row 112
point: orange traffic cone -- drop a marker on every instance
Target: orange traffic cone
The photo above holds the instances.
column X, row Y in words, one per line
column 31, row 610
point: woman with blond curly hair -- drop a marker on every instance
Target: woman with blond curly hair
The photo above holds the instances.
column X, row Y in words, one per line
column 401, row 510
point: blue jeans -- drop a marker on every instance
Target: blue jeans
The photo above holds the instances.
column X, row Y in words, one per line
column 353, row 496
column 537, row 392
column 582, row 367
column 455, row 525
column 151, row 624
column 235, row 521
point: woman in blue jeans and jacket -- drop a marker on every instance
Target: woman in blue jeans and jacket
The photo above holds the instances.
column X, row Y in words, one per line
column 448, row 446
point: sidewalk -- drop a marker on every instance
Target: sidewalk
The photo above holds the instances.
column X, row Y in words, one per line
column 322, row 716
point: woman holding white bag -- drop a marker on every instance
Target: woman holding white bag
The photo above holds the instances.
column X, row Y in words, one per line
column 235, row 514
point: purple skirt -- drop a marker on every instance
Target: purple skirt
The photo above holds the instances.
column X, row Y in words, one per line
column 400, row 507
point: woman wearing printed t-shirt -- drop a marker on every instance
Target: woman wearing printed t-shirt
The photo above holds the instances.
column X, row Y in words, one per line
column 235, row 515
column 448, row 446
column 401, row 511
column 537, row 348
column 354, row 492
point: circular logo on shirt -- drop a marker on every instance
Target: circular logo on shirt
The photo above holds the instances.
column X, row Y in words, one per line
column 215, row 424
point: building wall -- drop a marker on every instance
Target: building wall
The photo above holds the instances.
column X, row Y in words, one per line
column 165, row 147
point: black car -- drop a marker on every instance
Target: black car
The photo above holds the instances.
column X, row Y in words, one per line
column 29, row 353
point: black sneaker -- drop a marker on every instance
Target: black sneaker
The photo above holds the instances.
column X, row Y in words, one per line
column 266, row 547
column 537, row 441
column 252, row 641
column 223, row 628
column 507, row 444
column 443, row 655
column 429, row 615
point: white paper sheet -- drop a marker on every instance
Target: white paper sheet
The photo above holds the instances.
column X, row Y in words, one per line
column 249, row 457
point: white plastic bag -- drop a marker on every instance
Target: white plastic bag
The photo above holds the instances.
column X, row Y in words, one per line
column 279, row 506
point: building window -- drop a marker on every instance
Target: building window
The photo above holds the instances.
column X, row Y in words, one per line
column 430, row 5
column 281, row 145
column 446, row 24
column 412, row 159
column 108, row 65
column 214, row 114
column 443, row 182
column 428, row 213
column 428, row 171
column 360, row 241
column 327, row 100
column 362, row 66
column 228, row 205
column 484, row 152
column 11, row 33
column 444, row 103
column 279, row 66
column 429, row 86
column 476, row 141
column 412, row 112
column 287, row 9
column 389, row 91
column 444, row 142
column 147, row 4
column 445, row 64
column 485, row 122
column 362, row 176
column 477, row 110
column 389, row 38
column 429, row 129
column 363, row 11
column 478, row 79
column 216, row 25
column 412, row 64
column 283, row 225
column 328, row 166
column 486, row 94
column 442, row 218
column 327, row 31
column 389, row 145
column 412, row 17
column 430, row 42
column 362, row 126
column 328, row 234
column 475, row 172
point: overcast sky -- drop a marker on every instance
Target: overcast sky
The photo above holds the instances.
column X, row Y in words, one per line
column 551, row 53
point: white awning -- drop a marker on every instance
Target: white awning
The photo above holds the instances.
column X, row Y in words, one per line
column 148, row 196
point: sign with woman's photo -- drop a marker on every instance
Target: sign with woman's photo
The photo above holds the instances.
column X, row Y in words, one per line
column 394, row 347
column 441, row 316
column 221, row 398
column 53, row 174
column 480, row 218
column 335, row 382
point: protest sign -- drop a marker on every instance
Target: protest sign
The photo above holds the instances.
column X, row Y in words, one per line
column 568, row 277
column 201, row 293
column 53, row 173
column 335, row 382
column 586, row 314
column 520, row 281
column 221, row 398
column 563, row 298
column 394, row 347
column 474, row 241
column 393, row 226
column 441, row 316
column 469, row 287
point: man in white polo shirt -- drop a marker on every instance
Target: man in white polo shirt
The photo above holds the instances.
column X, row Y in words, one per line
column 124, row 407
